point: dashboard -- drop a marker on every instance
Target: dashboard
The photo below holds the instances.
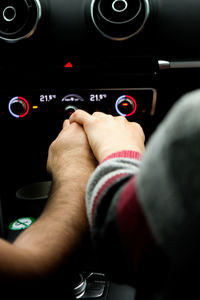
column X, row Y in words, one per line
column 133, row 58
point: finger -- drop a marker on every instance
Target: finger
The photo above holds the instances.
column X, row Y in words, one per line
column 66, row 124
column 80, row 116
column 76, row 125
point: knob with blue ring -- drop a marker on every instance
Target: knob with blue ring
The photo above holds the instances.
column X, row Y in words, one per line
column 18, row 107
column 126, row 106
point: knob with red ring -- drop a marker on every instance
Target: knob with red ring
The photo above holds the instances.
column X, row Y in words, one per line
column 126, row 106
column 18, row 107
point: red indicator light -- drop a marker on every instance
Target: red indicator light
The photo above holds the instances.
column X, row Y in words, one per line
column 26, row 110
column 124, row 104
column 134, row 105
column 68, row 65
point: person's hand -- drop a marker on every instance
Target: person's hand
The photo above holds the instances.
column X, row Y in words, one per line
column 70, row 157
column 108, row 134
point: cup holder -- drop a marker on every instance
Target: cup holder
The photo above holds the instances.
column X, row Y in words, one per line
column 35, row 191
column 32, row 198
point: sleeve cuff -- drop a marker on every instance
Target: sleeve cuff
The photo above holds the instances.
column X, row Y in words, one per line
column 125, row 154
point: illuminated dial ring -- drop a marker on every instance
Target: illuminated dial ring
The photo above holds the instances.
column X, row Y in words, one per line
column 124, row 99
column 24, row 103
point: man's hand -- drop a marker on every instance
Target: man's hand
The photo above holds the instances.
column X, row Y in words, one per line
column 70, row 157
column 71, row 163
column 108, row 134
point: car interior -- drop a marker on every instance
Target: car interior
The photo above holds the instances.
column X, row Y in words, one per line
column 133, row 58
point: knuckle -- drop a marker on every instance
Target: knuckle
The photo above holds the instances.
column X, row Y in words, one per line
column 139, row 128
column 97, row 114
column 51, row 149
column 53, row 145
column 121, row 118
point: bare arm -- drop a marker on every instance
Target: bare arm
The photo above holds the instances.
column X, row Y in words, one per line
column 43, row 247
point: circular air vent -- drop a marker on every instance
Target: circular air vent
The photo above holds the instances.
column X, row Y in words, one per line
column 119, row 19
column 18, row 18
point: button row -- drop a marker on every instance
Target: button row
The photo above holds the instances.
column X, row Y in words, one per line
column 19, row 107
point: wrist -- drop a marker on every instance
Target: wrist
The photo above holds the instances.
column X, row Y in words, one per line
column 73, row 172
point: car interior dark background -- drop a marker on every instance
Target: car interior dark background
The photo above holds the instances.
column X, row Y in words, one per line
column 133, row 58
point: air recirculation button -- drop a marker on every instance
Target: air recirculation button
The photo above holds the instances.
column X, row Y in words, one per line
column 119, row 19
column 18, row 18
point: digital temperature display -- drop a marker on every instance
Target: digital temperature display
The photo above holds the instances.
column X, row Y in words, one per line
column 98, row 97
column 47, row 98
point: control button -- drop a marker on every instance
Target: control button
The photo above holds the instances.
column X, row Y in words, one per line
column 126, row 106
column 18, row 107
column 69, row 110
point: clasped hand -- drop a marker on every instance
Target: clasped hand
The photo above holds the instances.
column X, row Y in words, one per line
column 87, row 139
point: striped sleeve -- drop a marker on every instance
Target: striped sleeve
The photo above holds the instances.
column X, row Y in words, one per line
column 118, row 225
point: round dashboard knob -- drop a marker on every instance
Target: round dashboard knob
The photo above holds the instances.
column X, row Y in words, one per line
column 119, row 19
column 18, row 107
column 126, row 106
column 69, row 110
column 18, row 19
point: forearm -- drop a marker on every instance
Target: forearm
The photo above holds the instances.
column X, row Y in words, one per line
column 42, row 248
column 59, row 230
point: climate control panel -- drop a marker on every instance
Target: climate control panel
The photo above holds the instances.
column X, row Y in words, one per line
column 131, row 103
